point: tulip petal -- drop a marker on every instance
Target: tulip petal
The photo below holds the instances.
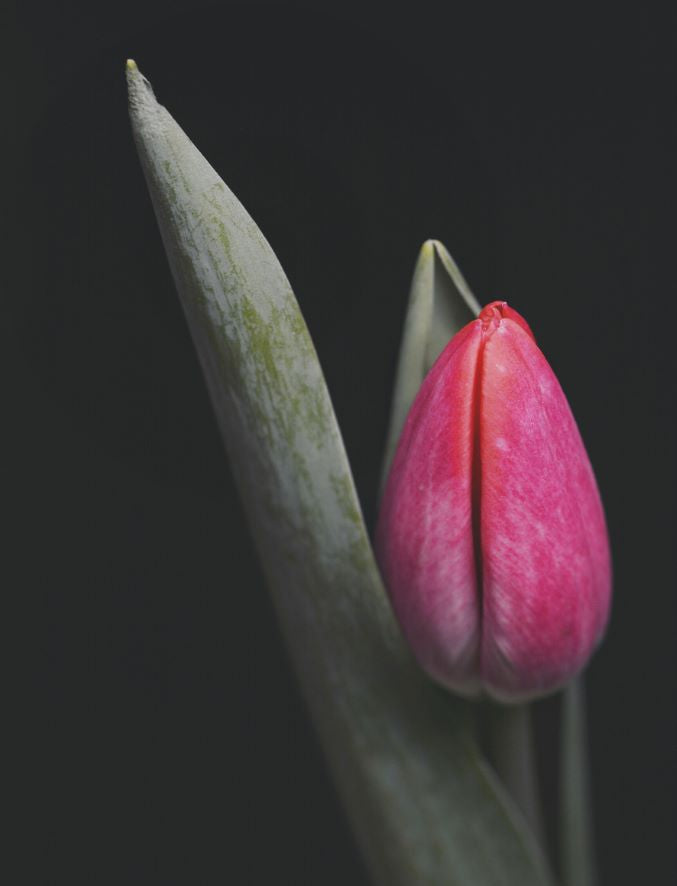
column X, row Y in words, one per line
column 424, row 537
column 546, row 573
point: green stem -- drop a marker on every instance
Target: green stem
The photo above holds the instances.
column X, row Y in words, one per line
column 513, row 755
column 577, row 856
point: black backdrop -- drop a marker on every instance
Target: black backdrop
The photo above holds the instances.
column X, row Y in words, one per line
column 171, row 745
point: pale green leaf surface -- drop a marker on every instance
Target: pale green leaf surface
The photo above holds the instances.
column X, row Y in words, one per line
column 423, row 805
column 440, row 304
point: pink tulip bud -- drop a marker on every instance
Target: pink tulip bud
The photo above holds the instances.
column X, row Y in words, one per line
column 491, row 536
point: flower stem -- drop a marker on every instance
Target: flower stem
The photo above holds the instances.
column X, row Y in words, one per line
column 513, row 756
column 577, row 857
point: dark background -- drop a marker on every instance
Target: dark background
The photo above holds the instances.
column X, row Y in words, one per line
column 170, row 744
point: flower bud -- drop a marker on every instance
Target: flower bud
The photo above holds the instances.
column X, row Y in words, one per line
column 491, row 534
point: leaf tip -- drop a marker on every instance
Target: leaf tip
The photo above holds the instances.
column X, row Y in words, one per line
column 440, row 249
column 140, row 91
column 426, row 254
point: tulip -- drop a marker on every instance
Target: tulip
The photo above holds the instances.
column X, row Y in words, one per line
column 491, row 534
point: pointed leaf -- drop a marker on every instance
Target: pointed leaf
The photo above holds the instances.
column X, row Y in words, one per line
column 424, row 807
column 440, row 304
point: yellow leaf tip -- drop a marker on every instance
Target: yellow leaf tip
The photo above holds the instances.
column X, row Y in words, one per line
column 131, row 65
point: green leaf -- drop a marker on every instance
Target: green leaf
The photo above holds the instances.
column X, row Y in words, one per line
column 440, row 304
column 423, row 805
